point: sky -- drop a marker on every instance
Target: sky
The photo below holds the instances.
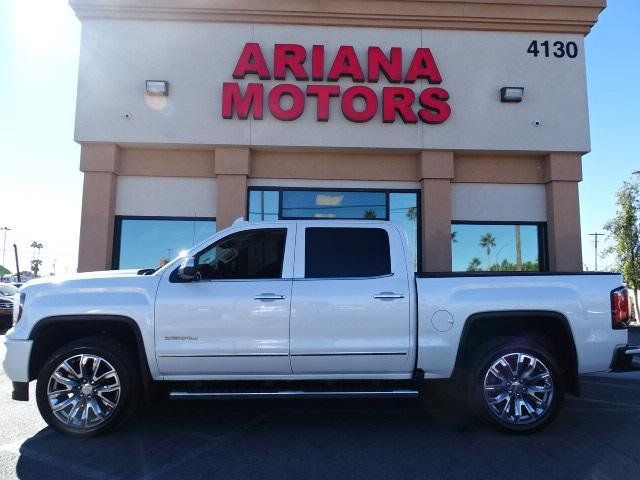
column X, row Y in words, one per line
column 41, row 185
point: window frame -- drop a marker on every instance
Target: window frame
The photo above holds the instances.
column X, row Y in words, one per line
column 543, row 245
column 386, row 191
column 117, row 230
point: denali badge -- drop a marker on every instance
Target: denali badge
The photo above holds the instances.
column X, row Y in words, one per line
column 177, row 337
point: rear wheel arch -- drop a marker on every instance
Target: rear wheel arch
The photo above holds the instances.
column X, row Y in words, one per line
column 549, row 328
column 51, row 333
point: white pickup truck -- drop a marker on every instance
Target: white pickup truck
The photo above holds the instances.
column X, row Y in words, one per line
column 310, row 308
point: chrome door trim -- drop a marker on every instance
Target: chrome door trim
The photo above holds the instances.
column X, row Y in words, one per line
column 206, row 355
column 269, row 296
column 344, row 354
column 179, row 395
column 388, row 295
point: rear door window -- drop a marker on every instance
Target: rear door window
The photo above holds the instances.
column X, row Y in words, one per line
column 346, row 252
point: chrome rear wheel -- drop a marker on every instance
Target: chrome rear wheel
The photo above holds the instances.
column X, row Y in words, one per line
column 518, row 388
column 516, row 385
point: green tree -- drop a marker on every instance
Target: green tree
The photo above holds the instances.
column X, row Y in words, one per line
column 624, row 230
column 36, row 263
column 370, row 214
column 474, row 265
column 412, row 213
column 488, row 241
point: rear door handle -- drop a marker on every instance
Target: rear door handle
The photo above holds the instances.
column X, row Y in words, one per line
column 388, row 295
column 269, row 296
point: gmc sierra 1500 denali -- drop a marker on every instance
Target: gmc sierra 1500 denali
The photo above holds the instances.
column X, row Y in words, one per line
column 310, row 308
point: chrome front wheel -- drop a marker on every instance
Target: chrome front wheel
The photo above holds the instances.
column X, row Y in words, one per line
column 84, row 390
column 88, row 386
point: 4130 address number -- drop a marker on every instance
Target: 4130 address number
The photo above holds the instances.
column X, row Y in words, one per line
column 557, row 49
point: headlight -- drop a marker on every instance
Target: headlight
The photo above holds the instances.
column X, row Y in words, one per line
column 18, row 307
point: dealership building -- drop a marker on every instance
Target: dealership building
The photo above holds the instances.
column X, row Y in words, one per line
column 465, row 121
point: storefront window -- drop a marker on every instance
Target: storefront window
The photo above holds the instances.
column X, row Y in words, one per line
column 334, row 204
column 149, row 242
column 263, row 205
column 403, row 210
column 398, row 206
column 484, row 247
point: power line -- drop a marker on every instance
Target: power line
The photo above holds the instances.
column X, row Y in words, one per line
column 595, row 236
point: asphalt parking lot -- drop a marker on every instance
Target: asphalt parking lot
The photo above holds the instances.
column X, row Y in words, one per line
column 595, row 437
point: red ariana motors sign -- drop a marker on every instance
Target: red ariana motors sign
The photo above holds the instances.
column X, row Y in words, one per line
column 359, row 103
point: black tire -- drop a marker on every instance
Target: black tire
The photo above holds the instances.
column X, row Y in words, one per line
column 113, row 356
column 504, row 414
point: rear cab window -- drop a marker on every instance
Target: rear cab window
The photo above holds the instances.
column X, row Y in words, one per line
column 343, row 252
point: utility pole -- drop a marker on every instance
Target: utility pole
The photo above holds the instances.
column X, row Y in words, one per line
column 4, row 245
column 596, row 235
column 15, row 251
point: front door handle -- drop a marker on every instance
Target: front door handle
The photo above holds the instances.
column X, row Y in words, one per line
column 269, row 296
column 388, row 295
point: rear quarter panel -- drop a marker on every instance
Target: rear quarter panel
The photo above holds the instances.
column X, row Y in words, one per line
column 582, row 299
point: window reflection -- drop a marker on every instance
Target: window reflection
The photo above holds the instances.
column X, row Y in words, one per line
column 263, row 205
column 403, row 210
column 351, row 205
column 495, row 248
column 148, row 243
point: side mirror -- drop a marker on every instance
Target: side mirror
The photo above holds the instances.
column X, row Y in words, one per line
column 187, row 270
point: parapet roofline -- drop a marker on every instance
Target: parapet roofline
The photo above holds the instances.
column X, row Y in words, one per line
column 558, row 16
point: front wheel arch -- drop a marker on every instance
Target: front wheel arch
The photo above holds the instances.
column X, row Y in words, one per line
column 51, row 333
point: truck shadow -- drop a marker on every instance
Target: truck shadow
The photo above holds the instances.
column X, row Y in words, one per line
column 337, row 438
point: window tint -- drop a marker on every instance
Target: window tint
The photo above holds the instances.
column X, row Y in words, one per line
column 478, row 247
column 245, row 255
column 346, row 252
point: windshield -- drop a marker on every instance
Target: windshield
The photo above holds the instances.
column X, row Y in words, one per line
column 7, row 289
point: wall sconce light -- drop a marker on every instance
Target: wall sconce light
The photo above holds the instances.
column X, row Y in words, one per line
column 158, row 88
column 511, row 94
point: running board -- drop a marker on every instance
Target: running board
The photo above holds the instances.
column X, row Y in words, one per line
column 293, row 394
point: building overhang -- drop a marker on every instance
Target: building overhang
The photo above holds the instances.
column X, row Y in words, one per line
column 559, row 16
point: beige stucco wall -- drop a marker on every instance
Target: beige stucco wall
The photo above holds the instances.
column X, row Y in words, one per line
column 480, row 46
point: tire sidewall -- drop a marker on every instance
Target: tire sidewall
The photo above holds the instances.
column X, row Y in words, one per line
column 485, row 359
column 112, row 353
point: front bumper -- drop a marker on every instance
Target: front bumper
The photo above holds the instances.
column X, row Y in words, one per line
column 16, row 360
column 624, row 355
